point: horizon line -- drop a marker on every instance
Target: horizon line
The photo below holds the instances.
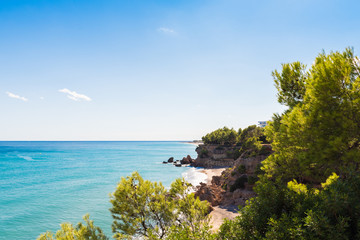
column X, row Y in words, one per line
column 98, row 140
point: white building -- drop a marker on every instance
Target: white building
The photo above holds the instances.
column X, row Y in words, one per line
column 262, row 123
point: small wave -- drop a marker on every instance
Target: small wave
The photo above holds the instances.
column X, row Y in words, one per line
column 27, row 158
column 194, row 176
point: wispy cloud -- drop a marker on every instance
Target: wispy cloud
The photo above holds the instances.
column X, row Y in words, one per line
column 168, row 31
column 12, row 95
column 74, row 95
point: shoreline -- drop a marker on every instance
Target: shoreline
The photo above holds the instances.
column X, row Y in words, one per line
column 210, row 172
column 193, row 143
column 197, row 175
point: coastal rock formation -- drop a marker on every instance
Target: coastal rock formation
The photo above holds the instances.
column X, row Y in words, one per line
column 211, row 193
column 187, row 160
column 170, row 160
column 213, row 155
column 234, row 185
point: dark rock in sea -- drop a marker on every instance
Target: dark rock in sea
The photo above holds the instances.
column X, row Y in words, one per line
column 170, row 160
column 178, row 165
column 187, row 160
column 165, row 162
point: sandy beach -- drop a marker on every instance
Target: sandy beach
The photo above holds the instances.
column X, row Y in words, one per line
column 210, row 172
column 220, row 212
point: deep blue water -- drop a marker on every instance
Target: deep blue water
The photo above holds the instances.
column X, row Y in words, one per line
column 45, row 183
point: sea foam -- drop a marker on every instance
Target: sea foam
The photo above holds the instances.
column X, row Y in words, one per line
column 194, row 176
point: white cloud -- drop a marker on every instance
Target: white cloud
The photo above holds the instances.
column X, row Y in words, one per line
column 168, row 31
column 12, row 95
column 74, row 95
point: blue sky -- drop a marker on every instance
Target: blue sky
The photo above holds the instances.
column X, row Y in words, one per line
column 154, row 70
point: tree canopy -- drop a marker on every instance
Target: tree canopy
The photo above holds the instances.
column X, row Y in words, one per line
column 147, row 210
column 80, row 232
column 311, row 183
column 221, row 136
column 319, row 134
column 228, row 136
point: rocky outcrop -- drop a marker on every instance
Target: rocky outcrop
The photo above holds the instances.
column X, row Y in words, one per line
column 211, row 156
column 187, row 160
column 211, row 193
column 220, row 192
column 179, row 163
column 234, row 185
column 251, row 164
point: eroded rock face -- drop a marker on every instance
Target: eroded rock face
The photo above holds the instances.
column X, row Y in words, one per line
column 219, row 193
column 211, row 193
column 187, row 160
column 235, row 185
column 250, row 163
column 210, row 156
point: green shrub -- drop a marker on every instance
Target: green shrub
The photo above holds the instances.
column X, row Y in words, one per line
column 237, row 153
column 204, row 153
column 258, row 170
column 297, row 211
column 265, row 150
column 252, row 179
column 241, row 169
column 239, row 183
column 223, row 136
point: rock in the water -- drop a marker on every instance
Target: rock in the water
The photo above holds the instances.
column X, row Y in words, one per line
column 178, row 165
column 165, row 162
column 170, row 160
column 186, row 160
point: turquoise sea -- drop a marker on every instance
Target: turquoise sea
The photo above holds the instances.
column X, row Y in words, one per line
column 43, row 184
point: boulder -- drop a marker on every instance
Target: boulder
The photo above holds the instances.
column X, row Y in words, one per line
column 187, row 160
column 165, row 162
column 237, row 193
column 170, row 160
column 209, row 193
column 216, row 180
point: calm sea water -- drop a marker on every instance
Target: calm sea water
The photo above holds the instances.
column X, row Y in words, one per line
column 43, row 184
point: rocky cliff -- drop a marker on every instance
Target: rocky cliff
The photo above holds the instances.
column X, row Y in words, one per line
column 234, row 186
column 211, row 156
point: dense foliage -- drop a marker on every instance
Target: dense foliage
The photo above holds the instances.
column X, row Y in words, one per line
column 146, row 210
column 247, row 141
column 316, row 140
column 321, row 133
column 79, row 232
column 297, row 211
column 227, row 136
column 221, row 136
